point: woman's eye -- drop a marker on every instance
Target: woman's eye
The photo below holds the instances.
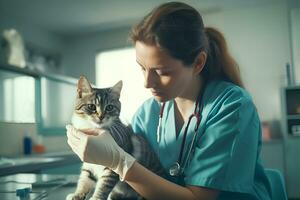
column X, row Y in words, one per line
column 161, row 72
column 92, row 107
column 109, row 108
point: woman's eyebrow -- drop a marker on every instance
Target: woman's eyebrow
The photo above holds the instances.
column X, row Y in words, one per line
column 139, row 64
column 154, row 68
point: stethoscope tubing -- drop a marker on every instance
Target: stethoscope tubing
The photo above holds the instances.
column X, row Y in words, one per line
column 176, row 169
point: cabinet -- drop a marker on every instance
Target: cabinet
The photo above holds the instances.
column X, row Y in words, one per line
column 291, row 111
column 291, row 132
column 292, row 162
column 272, row 154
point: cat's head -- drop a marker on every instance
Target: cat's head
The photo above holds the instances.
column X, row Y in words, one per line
column 98, row 106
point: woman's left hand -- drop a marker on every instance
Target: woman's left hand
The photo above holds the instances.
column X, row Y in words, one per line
column 97, row 146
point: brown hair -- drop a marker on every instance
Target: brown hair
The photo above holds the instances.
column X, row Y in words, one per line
column 178, row 29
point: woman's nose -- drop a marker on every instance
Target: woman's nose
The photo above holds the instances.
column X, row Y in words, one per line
column 150, row 79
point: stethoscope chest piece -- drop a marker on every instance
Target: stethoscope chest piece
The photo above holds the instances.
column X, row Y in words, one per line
column 175, row 169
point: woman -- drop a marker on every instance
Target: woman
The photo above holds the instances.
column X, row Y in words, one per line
column 188, row 69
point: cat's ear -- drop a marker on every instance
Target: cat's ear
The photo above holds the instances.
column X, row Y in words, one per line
column 83, row 87
column 117, row 88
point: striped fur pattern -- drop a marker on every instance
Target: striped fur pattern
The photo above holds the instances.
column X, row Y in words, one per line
column 100, row 108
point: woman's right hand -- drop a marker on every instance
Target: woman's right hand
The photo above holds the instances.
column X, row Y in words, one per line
column 97, row 146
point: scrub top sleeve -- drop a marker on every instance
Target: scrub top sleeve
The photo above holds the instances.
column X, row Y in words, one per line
column 137, row 122
column 145, row 119
column 226, row 153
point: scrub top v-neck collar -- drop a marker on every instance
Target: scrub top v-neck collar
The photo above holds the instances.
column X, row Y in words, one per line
column 170, row 144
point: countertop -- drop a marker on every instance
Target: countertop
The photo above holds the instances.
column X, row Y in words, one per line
column 35, row 163
column 46, row 187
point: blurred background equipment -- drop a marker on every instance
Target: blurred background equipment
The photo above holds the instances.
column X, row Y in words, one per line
column 14, row 48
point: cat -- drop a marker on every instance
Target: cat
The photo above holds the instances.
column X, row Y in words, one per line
column 100, row 108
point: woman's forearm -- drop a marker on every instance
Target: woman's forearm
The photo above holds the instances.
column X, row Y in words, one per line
column 152, row 186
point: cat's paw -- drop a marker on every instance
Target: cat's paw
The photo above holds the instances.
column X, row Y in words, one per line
column 73, row 196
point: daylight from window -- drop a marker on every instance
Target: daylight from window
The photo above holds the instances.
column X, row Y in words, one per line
column 120, row 64
column 19, row 99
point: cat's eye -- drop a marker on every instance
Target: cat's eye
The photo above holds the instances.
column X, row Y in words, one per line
column 109, row 108
column 91, row 107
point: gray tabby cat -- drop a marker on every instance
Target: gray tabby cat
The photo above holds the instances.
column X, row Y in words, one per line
column 100, row 108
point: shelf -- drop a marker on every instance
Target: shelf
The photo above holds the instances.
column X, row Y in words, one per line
column 293, row 116
column 273, row 141
column 294, row 138
column 34, row 163
column 295, row 87
column 19, row 70
column 37, row 74
column 294, row 135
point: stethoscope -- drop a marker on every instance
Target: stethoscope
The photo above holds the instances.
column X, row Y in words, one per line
column 178, row 167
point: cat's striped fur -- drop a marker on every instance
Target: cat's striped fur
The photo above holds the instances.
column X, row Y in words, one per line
column 106, row 183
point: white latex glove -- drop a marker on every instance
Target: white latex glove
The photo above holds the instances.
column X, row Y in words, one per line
column 97, row 146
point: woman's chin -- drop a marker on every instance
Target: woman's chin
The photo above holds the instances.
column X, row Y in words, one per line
column 161, row 99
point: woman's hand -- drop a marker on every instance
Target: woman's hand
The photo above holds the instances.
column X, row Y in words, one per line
column 97, row 146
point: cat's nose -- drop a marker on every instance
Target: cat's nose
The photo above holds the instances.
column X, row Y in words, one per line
column 101, row 117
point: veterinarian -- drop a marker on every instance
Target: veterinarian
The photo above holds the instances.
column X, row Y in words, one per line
column 201, row 121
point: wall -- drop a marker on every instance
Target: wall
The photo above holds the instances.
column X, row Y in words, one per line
column 80, row 54
column 12, row 134
column 259, row 40
column 35, row 37
column 295, row 26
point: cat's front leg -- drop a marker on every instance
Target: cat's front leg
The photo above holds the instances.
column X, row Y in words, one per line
column 74, row 196
column 105, row 184
column 84, row 185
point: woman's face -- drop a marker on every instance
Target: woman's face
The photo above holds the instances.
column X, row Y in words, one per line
column 166, row 77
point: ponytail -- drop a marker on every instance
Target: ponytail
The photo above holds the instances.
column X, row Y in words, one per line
column 219, row 63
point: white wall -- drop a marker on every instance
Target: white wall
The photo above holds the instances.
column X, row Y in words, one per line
column 295, row 34
column 81, row 51
column 259, row 40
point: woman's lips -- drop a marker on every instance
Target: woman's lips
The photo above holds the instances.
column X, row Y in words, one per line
column 155, row 93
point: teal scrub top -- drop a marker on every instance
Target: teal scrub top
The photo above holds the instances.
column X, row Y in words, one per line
column 226, row 155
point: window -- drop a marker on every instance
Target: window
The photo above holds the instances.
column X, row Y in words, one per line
column 57, row 99
column 120, row 64
column 17, row 98
column 56, row 104
column 46, row 100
